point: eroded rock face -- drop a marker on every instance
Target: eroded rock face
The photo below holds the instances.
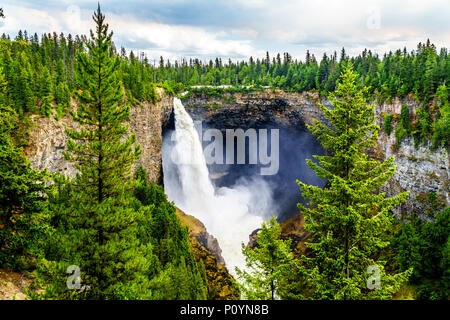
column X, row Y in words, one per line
column 198, row 231
column 420, row 169
column 47, row 139
column 256, row 109
column 206, row 249
column 13, row 284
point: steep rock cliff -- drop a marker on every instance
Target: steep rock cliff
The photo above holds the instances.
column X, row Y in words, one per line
column 420, row 169
column 47, row 138
column 198, row 231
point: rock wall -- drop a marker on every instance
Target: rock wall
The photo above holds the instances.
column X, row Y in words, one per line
column 256, row 109
column 47, row 139
column 419, row 170
column 198, row 231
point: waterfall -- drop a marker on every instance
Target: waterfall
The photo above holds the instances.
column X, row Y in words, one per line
column 229, row 214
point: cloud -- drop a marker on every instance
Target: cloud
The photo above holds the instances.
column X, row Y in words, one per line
column 175, row 40
column 239, row 29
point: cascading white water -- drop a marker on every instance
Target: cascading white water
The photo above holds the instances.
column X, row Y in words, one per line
column 230, row 214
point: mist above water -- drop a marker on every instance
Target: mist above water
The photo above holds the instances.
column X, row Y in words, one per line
column 295, row 146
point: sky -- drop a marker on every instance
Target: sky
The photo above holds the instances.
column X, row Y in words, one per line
column 206, row 29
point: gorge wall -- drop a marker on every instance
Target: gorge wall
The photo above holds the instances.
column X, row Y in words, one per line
column 47, row 138
column 419, row 170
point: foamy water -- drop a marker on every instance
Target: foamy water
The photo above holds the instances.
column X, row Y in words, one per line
column 229, row 214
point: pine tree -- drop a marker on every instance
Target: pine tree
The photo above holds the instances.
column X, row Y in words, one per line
column 46, row 93
column 107, row 160
column 429, row 84
column 62, row 97
column 349, row 218
column 424, row 247
column 101, row 224
column 267, row 264
column 404, row 125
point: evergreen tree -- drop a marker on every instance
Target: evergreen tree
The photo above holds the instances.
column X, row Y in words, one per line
column 267, row 264
column 46, row 93
column 24, row 219
column 349, row 219
column 101, row 223
column 388, row 123
column 62, row 97
column 424, row 246
column 441, row 135
column 404, row 126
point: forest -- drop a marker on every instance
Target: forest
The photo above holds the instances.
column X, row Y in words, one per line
column 141, row 251
column 41, row 75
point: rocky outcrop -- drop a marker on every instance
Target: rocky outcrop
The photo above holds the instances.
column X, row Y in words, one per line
column 220, row 282
column 47, row 138
column 13, row 284
column 198, row 231
column 206, row 249
column 419, row 169
column 256, row 109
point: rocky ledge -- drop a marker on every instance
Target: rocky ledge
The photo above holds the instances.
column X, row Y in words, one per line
column 206, row 249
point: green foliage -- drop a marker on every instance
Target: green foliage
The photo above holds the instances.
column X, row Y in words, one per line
column 116, row 262
column 424, row 124
column 267, row 265
column 122, row 234
column 405, row 121
column 424, row 247
column 388, row 123
column 176, row 273
column 441, row 135
column 350, row 221
column 404, row 126
column 26, row 61
column 24, row 218
column 125, row 235
column 46, row 93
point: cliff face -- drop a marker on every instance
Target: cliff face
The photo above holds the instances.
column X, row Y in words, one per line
column 256, row 109
column 47, row 139
column 419, row 170
column 198, row 231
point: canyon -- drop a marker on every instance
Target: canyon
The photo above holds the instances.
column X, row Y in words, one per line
column 420, row 169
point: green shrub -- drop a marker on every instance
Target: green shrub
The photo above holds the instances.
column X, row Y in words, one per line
column 425, row 247
column 388, row 123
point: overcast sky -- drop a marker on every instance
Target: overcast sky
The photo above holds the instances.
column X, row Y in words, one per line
column 240, row 29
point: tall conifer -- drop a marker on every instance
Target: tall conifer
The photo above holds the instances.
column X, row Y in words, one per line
column 349, row 219
column 101, row 224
